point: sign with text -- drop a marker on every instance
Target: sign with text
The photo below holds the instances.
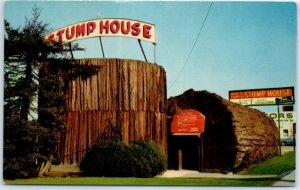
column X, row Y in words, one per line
column 287, row 121
column 284, row 100
column 188, row 122
column 266, row 96
column 285, row 117
column 109, row 27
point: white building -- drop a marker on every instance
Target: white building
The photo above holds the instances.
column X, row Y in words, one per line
column 287, row 121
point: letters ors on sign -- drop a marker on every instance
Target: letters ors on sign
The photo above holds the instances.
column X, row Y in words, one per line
column 268, row 96
column 109, row 27
column 284, row 117
column 188, row 122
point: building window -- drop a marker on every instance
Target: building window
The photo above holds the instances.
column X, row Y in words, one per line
column 285, row 132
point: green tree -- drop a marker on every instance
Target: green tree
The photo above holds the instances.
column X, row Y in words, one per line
column 35, row 72
column 27, row 142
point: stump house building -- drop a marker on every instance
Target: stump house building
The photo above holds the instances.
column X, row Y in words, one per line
column 131, row 95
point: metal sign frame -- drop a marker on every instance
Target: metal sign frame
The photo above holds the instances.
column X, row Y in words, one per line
column 105, row 27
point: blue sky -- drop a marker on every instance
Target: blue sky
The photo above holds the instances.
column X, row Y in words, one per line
column 243, row 45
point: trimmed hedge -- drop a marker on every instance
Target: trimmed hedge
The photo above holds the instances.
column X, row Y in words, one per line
column 113, row 158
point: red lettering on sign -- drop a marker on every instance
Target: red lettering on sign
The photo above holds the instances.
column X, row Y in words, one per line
column 188, row 121
column 104, row 27
column 90, row 27
column 80, row 30
column 125, row 31
column 68, row 35
column 146, row 31
column 135, row 29
column 59, row 33
column 51, row 38
column 115, row 26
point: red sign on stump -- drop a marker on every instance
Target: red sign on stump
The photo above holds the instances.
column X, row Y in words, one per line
column 188, row 121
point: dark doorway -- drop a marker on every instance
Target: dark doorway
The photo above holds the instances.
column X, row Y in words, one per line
column 184, row 152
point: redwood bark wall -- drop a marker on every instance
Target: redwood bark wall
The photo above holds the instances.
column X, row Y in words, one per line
column 235, row 136
column 128, row 94
column 257, row 135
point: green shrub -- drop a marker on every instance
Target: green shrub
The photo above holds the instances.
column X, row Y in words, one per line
column 255, row 156
column 108, row 158
column 115, row 159
column 118, row 159
column 10, row 170
column 92, row 164
column 22, row 167
column 56, row 159
column 149, row 159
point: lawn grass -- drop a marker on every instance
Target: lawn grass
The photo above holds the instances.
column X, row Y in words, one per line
column 276, row 166
column 139, row 181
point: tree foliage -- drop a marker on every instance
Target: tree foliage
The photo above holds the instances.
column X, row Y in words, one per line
column 30, row 130
column 36, row 75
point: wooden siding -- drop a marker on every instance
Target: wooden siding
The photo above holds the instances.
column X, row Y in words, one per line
column 129, row 94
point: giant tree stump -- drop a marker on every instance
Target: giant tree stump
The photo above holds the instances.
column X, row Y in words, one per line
column 127, row 94
column 235, row 135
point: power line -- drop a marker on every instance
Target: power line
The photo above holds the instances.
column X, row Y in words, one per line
column 190, row 53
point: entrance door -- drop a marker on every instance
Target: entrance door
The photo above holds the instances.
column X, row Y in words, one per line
column 184, row 152
column 184, row 140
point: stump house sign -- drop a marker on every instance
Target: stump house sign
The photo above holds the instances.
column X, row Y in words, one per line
column 263, row 97
column 109, row 27
column 188, row 122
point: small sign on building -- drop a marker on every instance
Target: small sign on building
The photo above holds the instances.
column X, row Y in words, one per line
column 188, row 122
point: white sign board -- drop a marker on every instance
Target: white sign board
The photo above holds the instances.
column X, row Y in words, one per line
column 109, row 27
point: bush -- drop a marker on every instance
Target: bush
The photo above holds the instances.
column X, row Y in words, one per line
column 108, row 158
column 22, row 167
column 115, row 159
column 118, row 159
column 56, row 159
column 10, row 170
column 255, row 156
column 148, row 159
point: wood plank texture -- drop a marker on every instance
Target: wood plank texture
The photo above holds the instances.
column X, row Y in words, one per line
column 128, row 94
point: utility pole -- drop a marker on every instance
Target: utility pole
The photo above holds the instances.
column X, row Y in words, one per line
column 278, row 120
